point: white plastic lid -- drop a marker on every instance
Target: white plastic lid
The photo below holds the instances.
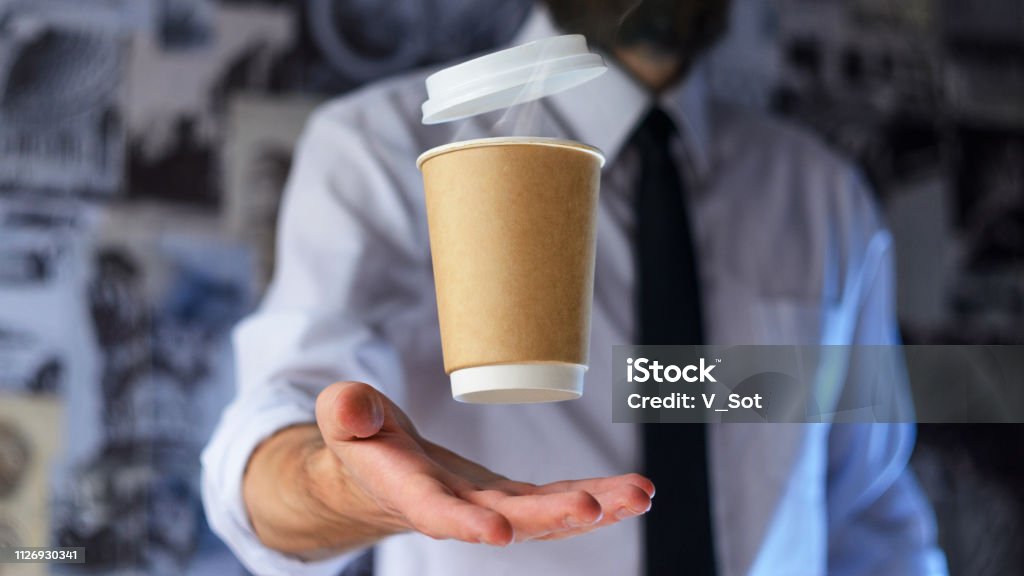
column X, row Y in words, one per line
column 512, row 76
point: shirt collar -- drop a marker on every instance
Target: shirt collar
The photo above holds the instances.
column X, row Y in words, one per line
column 604, row 111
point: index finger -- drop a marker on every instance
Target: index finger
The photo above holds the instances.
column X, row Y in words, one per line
column 596, row 485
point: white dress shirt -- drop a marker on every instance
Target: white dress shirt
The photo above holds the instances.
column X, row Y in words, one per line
column 790, row 250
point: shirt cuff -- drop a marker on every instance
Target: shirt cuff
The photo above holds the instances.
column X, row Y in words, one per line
column 224, row 461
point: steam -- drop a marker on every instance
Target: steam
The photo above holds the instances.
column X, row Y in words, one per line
column 629, row 11
column 525, row 117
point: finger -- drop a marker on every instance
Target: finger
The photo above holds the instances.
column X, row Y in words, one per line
column 511, row 487
column 621, row 503
column 432, row 509
column 535, row 515
column 465, row 468
column 595, row 485
column 349, row 410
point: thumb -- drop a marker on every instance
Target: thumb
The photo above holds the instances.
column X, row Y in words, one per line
column 349, row 410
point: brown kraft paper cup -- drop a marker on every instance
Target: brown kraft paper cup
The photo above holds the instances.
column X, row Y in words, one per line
column 512, row 233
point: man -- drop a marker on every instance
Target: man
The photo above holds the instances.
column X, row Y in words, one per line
column 318, row 458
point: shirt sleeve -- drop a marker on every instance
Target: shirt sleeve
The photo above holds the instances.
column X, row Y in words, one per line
column 343, row 267
column 874, row 501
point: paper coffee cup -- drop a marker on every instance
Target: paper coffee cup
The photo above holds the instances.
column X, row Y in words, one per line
column 512, row 226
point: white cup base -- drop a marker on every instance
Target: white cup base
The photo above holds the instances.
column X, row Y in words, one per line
column 518, row 383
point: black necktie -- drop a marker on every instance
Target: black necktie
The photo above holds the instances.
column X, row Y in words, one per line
column 678, row 527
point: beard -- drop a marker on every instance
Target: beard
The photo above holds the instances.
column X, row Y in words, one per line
column 677, row 28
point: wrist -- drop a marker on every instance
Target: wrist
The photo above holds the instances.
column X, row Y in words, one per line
column 273, row 487
column 300, row 501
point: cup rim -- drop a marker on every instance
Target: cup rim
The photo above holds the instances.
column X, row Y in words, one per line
column 506, row 140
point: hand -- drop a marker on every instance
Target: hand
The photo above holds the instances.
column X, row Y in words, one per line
column 371, row 474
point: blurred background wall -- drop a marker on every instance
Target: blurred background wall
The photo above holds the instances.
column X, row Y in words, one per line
column 144, row 145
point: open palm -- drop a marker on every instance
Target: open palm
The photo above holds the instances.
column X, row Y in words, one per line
column 405, row 482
